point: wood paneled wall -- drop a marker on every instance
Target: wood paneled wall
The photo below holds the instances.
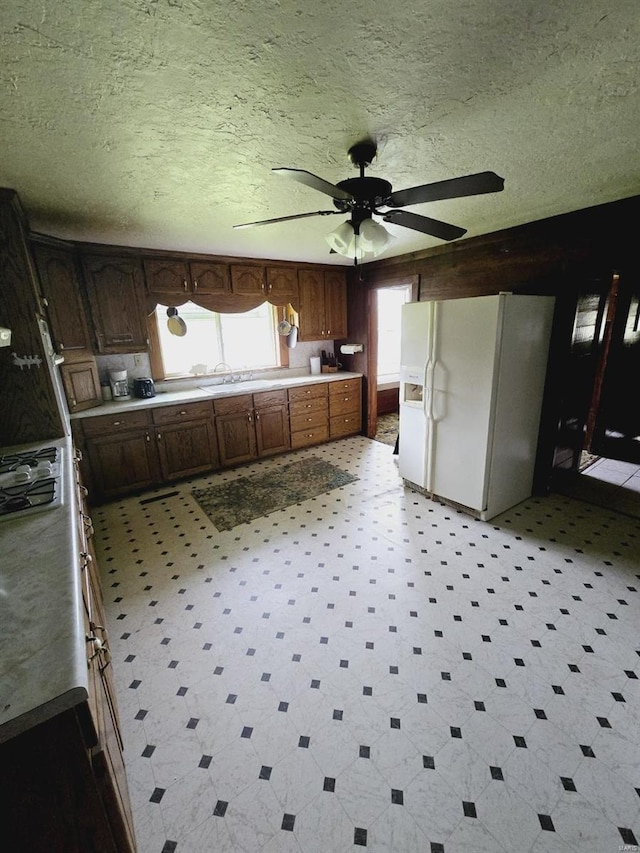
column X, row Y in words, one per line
column 555, row 256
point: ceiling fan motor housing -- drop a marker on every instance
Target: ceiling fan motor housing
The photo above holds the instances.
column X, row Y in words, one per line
column 368, row 194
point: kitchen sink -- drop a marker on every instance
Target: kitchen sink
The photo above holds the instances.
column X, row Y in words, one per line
column 241, row 387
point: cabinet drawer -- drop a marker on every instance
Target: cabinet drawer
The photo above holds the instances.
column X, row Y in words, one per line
column 229, row 405
column 269, row 398
column 115, row 423
column 345, row 425
column 342, row 404
column 307, row 392
column 308, row 420
column 342, row 386
column 315, row 404
column 188, row 412
column 306, row 437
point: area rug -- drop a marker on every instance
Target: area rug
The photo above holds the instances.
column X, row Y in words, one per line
column 246, row 498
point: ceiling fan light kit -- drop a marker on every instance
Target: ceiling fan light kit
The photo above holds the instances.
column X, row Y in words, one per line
column 364, row 197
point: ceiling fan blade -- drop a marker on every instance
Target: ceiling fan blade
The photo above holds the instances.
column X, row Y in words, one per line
column 482, row 182
column 423, row 223
column 316, row 183
column 287, row 218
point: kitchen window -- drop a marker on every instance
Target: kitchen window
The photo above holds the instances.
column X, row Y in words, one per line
column 244, row 341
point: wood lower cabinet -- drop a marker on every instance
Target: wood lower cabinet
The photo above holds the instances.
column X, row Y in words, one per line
column 249, row 426
column 137, row 450
column 134, row 450
column 235, row 429
column 123, row 463
column 271, row 422
column 186, row 440
column 345, row 408
column 309, row 414
column 63, row 783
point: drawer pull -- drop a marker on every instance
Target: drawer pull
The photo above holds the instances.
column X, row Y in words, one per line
column 182, row 412
column 117, row 423
column 184, row 284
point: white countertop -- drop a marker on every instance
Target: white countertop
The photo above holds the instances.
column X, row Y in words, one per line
column 212, row 392
column 43, row 664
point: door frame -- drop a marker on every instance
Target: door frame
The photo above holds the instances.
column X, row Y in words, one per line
column 372, row 349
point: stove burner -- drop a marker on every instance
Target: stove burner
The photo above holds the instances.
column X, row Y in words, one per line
column 33, row 458
column 15, row 503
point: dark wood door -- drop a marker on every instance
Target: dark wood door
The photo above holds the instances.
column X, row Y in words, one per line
column 123, row 463
column 282, row 285
column 236, row 437
column 335, row 304
column 61, row 288
column 312, row 308
column 167, row 276
column 187, row 448
column 272, row 430
column 247, row 280
column 115, row 290
column 81, row 384
column 207, row 277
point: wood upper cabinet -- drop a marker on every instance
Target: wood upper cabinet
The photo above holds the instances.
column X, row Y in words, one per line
column 282, row 285
column 175, row 277
column 116, row 299
column 58, row 275
column 335, row 303
column 323, row 304
column 81, row 384
column 248, row 280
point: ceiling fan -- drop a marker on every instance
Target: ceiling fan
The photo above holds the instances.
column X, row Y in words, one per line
column 364, row 197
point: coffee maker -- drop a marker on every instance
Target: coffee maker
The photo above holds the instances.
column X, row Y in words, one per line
column 119, row 385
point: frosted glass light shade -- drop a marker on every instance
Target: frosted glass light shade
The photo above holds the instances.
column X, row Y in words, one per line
column 342, row 239
column 373, row 237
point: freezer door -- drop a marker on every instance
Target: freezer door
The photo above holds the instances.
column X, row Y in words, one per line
column 465, row 344
column 414, row 335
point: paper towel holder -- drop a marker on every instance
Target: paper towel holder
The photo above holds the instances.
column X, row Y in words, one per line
column 350, row 349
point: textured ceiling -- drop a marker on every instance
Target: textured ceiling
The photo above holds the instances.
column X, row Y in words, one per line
column 157, row 122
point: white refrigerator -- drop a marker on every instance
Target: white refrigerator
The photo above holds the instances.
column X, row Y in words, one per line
column 471, row 385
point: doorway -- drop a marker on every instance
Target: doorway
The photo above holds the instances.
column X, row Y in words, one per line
column 383, row 362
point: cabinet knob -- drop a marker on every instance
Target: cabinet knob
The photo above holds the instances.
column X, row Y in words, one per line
column 257, row 416
column 117, row 423
column 147, row 436
column 195, row 284
column 184, row 285
column 159, row 436
column 182, row 413
column 250, row 418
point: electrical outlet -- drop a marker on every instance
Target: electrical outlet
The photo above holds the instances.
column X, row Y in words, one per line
column 138, row 360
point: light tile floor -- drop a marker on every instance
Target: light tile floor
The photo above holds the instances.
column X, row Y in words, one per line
column 374, row 670
column 610, row 483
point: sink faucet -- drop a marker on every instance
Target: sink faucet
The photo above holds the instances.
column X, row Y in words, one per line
column 225, row 367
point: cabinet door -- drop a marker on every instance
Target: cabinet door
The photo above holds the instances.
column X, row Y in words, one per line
column 335, row 302
column 81, row 385
column 272, row 430
column 61, row 288
column 311, row 301
column 209, row 278
column 236, row 438
column 282, row 285
column 115, row 290
column 122, row 463
column 247, row 280
column 186, row 449
column 167, row 275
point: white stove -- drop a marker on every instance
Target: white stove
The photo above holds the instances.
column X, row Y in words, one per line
column 30, row 482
